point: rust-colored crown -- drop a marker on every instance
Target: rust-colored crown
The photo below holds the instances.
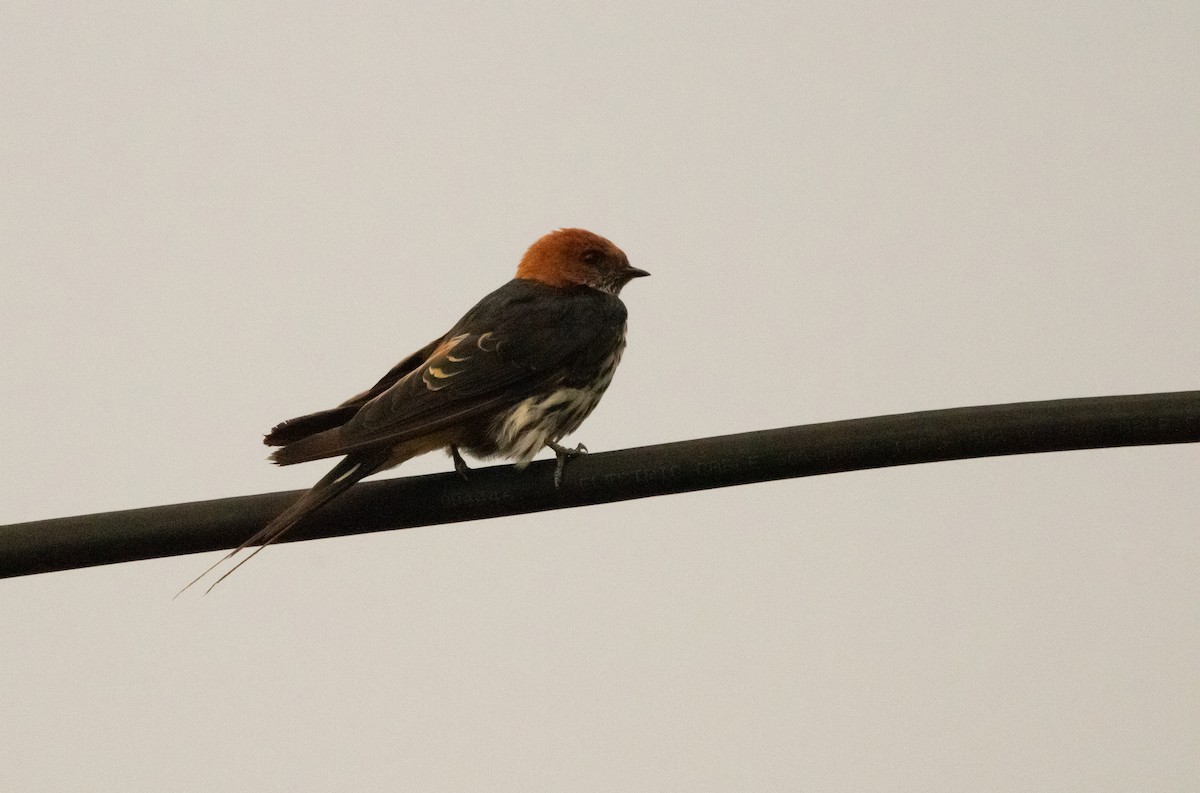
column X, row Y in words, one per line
column 571, row 257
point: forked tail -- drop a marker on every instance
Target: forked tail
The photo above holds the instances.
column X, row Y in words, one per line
column 338, row 480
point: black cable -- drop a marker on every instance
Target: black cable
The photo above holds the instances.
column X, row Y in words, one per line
column 930, row 436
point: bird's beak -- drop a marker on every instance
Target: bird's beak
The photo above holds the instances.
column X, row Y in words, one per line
column 634, row 272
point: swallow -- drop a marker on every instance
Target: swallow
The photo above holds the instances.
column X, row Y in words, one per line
column 521, row 370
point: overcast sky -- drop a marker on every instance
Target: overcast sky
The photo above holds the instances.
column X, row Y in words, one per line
column 220, row 215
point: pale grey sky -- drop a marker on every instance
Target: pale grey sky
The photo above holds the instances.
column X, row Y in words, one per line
column 220, row 215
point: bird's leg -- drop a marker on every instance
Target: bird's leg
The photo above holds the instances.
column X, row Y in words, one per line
column 460, row 464
column 563, row 454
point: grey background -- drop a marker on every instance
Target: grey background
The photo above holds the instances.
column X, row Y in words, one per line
column 220, row 215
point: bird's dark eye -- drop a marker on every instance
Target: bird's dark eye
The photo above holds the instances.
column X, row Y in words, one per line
column 591, row 256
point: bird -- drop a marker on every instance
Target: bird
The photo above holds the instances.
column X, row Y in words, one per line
column 518, row 372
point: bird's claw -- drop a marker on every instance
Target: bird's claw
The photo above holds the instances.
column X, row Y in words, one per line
column 563, row 454
column 460, row 464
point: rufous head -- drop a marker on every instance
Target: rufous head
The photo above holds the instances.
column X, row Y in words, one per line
column 574, row 257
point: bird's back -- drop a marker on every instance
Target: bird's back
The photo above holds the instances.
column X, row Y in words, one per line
column 523, row 341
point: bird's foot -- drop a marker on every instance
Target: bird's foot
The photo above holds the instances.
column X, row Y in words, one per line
column 460, row 464
column 563, row 454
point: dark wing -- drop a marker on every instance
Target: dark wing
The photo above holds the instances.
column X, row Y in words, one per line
column 295, row 429
column 519, row 340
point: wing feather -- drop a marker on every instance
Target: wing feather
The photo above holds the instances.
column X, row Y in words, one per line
column 302, row 427
column 521, row 339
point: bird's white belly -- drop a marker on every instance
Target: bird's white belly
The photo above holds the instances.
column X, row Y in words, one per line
column 521, row 433
column 526, row 428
